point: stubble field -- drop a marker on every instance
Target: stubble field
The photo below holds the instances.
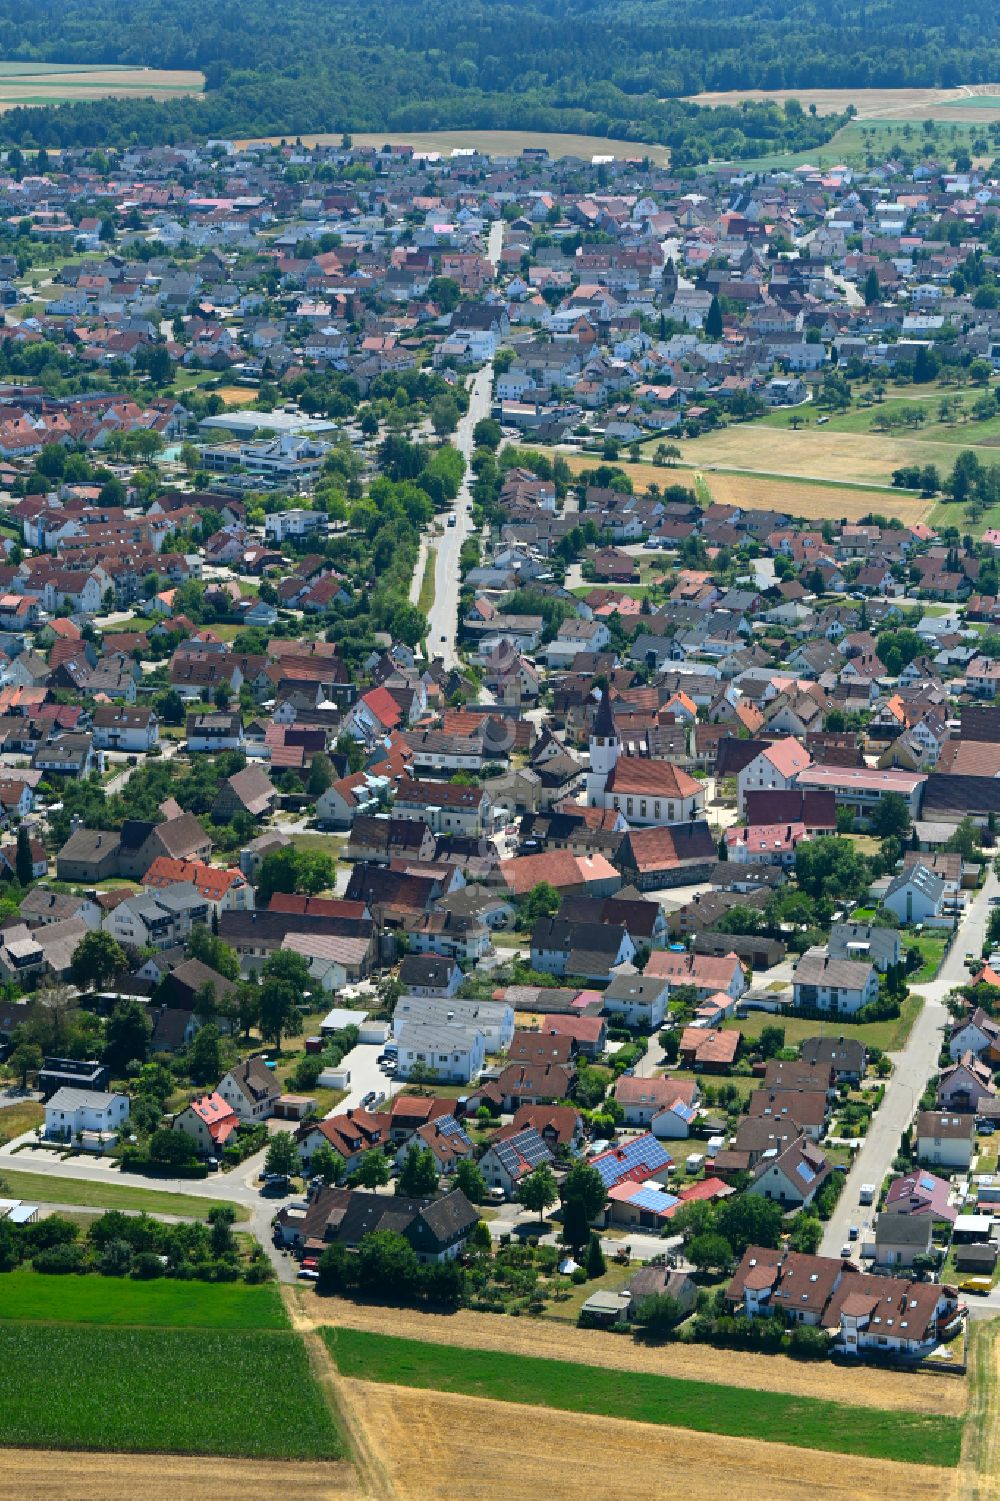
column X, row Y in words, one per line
column 50, row 83
column 969, row 102
column 480, row 1450
column 41, row 1474
column 811, row 498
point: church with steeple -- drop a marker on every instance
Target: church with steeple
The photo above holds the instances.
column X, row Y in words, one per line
column 647, row 792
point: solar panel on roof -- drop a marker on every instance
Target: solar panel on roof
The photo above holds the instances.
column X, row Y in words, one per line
column 654, row 1198
column 643, row 1152
column 927, row 1182
column 527, row 1146
column 805, row 1172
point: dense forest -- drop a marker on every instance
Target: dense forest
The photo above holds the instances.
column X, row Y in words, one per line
column 604, row 67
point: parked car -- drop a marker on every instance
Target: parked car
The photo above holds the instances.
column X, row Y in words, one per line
column 307, row 1274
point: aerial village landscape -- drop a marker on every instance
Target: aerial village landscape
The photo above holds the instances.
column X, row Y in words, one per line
column 500, row 781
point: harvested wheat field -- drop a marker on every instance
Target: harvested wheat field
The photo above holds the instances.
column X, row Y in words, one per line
column 813, row 453
column 52, row 84
column 978, row 1475
column 437, row 1447
column 896, row 1390
column 969, row 102
column 813, row 500
column 40, row 1474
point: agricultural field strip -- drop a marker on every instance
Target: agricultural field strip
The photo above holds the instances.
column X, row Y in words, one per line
column 40, row 1474
column 809, row 499
column 465, row 1450
column 493, row 142
column 168, row 1303
column 805, row 1422
column 145, row 1390
column 906, row 1391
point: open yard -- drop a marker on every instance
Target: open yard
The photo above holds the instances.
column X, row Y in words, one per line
column 172, row 1304
column 46, row 1188
column 16, row 1119
column 890, row 1036
column 186, row 1391
column 806, row 1422
column 49, row 83
column 496, row 143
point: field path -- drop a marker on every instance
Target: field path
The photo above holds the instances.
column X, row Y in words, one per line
column 372, row 1472
column 445, row 1447
column 898, row 1391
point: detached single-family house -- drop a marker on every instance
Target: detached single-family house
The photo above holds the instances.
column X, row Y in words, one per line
column 75, row 1114
column 945, row 1140
column 251, row 1088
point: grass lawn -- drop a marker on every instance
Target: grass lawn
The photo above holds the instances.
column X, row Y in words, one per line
column 700, row 1405
column 191, row 1391
column 567, row 1310
column 425, row 599
column 46, row 1188
column 16, row 1119
column 168, row 1303
column 327, row 844
column 890, row 1036
column 744, row 1086
column 932, row 946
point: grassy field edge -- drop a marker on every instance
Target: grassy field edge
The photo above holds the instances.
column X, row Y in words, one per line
column 805, row 1422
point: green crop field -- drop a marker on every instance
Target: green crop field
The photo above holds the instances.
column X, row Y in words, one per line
column 36, row 1298
column 806, row 1422
column 46, row 1188
column 164, row 1390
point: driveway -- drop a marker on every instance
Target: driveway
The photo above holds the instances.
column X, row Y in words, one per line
column 912, row 1069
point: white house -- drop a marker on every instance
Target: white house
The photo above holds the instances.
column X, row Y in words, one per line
column 839, row 985
column 945, row 1139
column 123, row 728
column 639, row 1001
column 447, row 1052
column 494, row 1019
column 793, row 1177
column 774, row 769
column 915, row 895
column 90, row 1111
column 251, row 1089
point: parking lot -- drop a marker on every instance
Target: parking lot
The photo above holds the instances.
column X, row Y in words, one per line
column 366, row 1075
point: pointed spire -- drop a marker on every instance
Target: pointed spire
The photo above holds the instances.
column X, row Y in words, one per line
column 604, row 721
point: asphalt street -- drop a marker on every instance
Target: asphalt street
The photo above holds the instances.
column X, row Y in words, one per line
column 912, row 1068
